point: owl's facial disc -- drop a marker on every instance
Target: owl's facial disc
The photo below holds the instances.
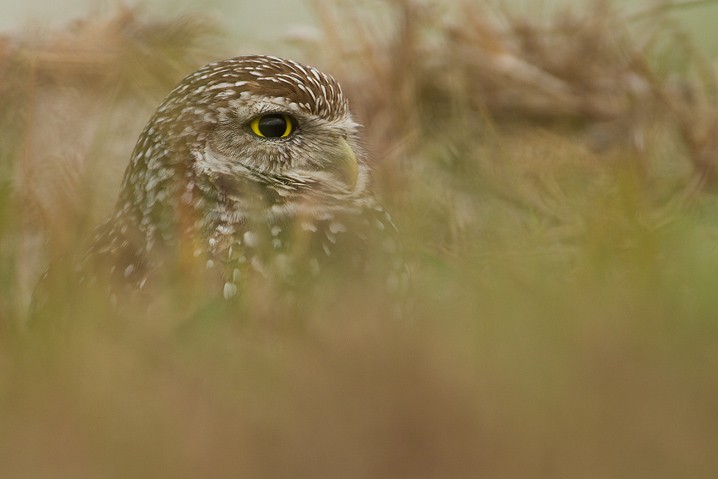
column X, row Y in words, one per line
column 274, row 136
column 341, row 160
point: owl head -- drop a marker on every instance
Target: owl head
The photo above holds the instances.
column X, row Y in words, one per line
column 249, row 126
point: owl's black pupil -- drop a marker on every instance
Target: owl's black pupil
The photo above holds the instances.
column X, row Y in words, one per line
column 272, row 126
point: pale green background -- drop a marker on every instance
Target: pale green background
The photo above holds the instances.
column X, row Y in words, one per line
column 250, row 20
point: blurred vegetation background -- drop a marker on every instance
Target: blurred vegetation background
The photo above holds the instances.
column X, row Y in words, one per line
column 552, row 170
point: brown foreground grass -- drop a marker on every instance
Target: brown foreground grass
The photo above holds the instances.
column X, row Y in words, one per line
column 554, row 184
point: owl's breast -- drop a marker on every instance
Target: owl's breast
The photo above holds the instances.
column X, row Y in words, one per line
column 296, row 249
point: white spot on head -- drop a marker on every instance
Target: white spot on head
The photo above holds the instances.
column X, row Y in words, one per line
column 218, row 86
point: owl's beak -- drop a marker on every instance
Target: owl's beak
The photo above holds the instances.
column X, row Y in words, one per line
column 345, row 165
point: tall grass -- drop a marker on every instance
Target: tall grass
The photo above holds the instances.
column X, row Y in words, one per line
column 554, row 186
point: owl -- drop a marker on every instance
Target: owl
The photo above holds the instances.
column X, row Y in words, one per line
column 250, row 167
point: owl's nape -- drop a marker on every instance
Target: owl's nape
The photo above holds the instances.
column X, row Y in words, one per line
column 251, row 167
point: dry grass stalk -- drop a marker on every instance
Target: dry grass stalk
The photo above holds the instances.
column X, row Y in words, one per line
column 587, row 67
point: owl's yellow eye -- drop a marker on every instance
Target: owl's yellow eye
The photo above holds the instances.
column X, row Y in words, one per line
column 273, row 125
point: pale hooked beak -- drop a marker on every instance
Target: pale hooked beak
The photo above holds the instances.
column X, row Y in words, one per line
column 345, row 165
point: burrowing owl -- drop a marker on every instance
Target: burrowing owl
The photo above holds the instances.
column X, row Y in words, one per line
column 250, row 165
